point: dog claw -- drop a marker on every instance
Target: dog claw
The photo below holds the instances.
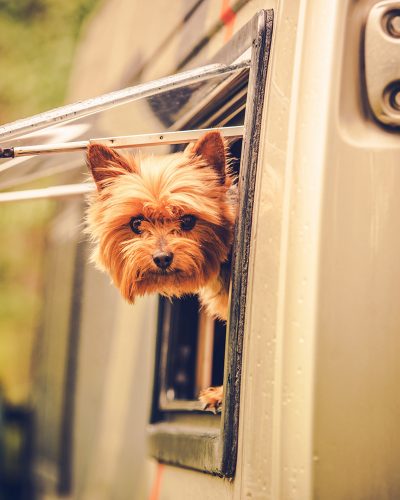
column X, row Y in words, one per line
column 213, row 408
column 212, row 399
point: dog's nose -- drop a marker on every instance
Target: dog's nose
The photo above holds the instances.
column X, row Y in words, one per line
column 163, row 259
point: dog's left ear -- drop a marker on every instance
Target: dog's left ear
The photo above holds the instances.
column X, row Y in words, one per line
column 105, row 163
column 211, row 147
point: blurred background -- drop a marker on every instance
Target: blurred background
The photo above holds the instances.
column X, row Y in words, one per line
column 76, row 361
column 38, row 40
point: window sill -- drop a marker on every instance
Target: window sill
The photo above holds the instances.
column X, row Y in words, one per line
column 185, row 445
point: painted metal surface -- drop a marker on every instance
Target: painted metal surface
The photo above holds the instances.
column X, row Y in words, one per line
column 382, row 61
column 320, row 376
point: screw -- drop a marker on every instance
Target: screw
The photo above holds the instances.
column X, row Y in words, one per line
column 7, row 153
column 395, row 98
column 393, row 23
column 391, row 97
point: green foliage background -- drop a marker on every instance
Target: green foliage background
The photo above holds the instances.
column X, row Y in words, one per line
column 37, row 43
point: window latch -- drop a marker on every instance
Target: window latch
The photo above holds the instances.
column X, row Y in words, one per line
column 382, row 61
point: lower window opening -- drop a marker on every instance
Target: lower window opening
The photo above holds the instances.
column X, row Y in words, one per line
column 193, row 343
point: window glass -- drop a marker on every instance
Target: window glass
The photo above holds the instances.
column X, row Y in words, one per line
column 147, row 115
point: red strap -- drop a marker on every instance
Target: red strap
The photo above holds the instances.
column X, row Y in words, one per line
column 227, row 16
column 156, row 489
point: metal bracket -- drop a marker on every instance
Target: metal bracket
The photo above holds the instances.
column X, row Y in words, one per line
column 382, row 61
column 128, row 141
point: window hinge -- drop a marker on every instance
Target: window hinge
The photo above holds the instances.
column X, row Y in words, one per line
column 382, row 61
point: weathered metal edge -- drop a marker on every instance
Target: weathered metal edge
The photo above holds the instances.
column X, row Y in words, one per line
column 240, row 264
column 213, row 451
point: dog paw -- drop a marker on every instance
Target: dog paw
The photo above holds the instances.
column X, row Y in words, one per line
column 212, row 398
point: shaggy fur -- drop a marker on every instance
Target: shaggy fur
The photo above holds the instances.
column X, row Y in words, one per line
column 161, row 191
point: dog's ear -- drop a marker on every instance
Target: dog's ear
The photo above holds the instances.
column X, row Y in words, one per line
column 105, row 163
column 211, row 147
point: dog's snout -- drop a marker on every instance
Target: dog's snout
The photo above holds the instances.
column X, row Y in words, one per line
column 163, row 259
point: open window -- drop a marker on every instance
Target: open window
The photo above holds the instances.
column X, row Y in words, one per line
column 193, row 351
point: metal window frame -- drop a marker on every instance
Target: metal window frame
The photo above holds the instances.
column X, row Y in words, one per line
column 126, row 141
column 211, row 446
column 132, row 141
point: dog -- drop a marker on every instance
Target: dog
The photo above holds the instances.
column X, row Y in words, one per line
column 164, row 224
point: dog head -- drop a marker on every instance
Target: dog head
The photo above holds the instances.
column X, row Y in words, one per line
column 161, row 224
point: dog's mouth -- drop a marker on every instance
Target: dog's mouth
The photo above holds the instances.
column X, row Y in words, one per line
column 170, row 276
column 165, row 272
column 170, row 282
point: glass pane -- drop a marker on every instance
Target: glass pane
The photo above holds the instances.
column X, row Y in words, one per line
column 148, row 115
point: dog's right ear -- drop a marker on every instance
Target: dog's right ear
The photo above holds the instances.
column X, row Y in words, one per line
column 211, row 147
column 105, row 164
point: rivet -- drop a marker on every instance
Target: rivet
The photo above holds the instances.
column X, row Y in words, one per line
column 395, row 99
column 391, row 97
column 393, row 23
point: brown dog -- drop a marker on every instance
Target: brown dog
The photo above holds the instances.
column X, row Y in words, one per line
column 164, row 224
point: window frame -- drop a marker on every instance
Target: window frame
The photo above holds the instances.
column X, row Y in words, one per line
column 209, row 442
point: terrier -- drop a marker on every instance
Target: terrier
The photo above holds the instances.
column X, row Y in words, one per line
column 164, row 224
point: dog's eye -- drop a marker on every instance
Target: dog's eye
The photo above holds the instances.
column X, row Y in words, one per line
column 135, row 223
column 188, row 222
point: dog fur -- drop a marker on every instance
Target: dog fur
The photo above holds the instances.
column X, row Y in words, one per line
column 164, row 224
